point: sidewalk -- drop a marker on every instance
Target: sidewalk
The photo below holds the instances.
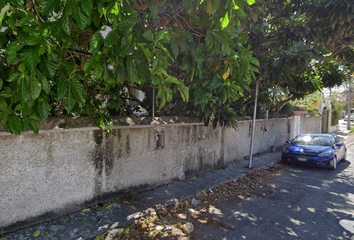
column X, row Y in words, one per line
column 90, row 222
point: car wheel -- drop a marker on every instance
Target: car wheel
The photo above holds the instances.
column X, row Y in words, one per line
column 334, row 163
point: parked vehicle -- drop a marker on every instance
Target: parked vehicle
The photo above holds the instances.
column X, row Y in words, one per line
column 322, row 150
column 351, row 117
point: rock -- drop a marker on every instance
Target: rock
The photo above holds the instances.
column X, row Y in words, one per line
column 159, row 228
column 112, row 233
column 187, row 228
column 191, row 210
column 194, row 201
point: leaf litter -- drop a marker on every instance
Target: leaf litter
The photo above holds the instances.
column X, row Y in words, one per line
column 170, row 222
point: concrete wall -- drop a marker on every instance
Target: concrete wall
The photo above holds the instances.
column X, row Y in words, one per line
column 71, row 164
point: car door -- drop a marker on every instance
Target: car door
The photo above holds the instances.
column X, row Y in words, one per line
column 339, row 148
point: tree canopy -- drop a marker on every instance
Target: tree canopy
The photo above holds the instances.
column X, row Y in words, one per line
column 200, row 57
column 302, row 46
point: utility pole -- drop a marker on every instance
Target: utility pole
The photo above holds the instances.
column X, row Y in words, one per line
column 349, row 105
column 153, row 102
column 253, row 125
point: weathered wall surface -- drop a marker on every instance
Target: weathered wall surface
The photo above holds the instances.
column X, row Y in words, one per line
column 71, row 164
column 310, row 125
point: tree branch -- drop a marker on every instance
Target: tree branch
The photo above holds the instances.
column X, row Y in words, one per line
column 61, row 108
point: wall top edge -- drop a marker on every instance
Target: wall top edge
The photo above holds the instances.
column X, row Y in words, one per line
column 74, row 124
column 70, row 124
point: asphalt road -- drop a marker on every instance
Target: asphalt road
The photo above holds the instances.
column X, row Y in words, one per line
column 307, row 203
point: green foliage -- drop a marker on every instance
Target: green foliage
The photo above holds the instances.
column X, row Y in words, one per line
column 310, row 102
column 287, row 109
column 55, row 59
column 88, row 57
column 336, row 113
column 302, row 47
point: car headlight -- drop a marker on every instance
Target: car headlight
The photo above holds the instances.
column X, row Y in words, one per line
column 285, row 150
column 325, row 154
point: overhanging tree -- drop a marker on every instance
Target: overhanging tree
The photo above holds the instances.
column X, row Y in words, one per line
column 201, row 56
column 303, row 46
column 55, row 59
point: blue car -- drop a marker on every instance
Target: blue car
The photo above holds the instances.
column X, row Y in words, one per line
column 322, row 150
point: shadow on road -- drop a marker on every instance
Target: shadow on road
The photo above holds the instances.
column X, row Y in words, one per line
column 307, row 203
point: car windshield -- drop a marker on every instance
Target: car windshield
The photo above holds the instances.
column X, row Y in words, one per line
column 312, row 140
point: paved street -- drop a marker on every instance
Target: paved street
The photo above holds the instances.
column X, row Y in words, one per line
column 308, row 203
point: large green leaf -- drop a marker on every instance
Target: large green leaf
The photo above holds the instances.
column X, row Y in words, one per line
column 143, row 69
column 128, row 22
column 132, row 70
column 187, row 62
column 88, row 65
column 45, row 85
column 71, row 7
column 23, row 90
column 155, row 9
column 15, row 124
column 30, row 58
column 146, row 51
column 225, row 21
column 62, row 89
column 148, row 35
column 162, row 101
column 163, row 36
column 121, row 75
column 190, row 5
column 224, row 39
column 239, row 3
column 112, row 38
column 35, row 88
column 1, row 83
column 50, row 6
column 33, row 124
column 11, row 54
column 34, row 38
column 98, row 69
column 48, row 67
column 69, row 102
column 169, row 94
column 87, row 6
column 185, row 92
column 65, row 24
column 160, row 45
column 174, row 47
column 171, row 80
column 43, row 109
column 82, row 19
column 3, row 103
column 3, row 118
column 78, row 91
column 96, row 42
column 17, row 3
column 198, row 97
column 14, row 77
column 7, row 94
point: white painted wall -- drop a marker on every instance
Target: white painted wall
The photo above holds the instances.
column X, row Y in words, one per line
column 71, row 164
